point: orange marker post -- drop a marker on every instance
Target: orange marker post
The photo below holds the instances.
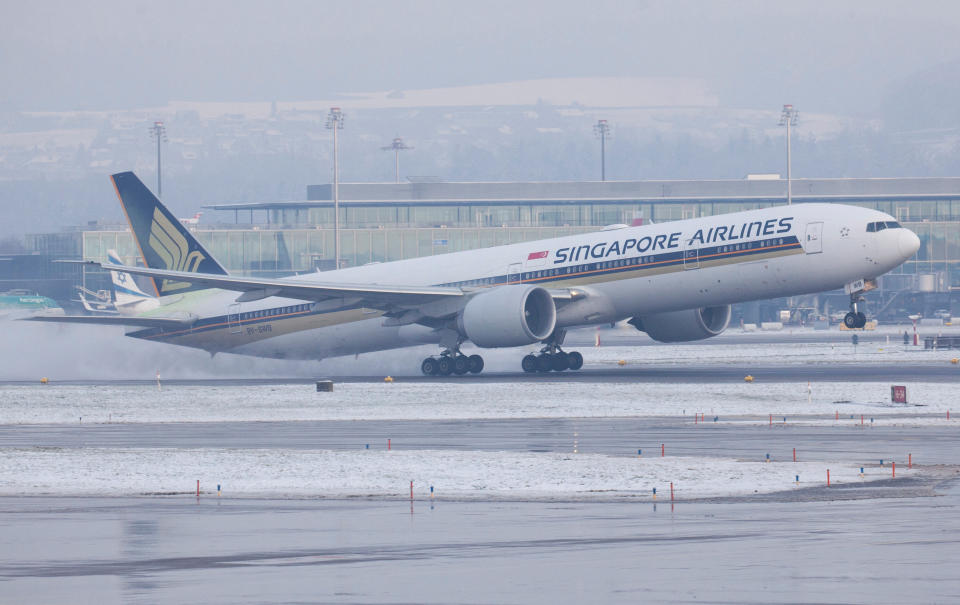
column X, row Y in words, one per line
column 828, row 477
column 794, row 454
column 663, row 450
column 909, row 460
column 671, row 491
column 894, row 467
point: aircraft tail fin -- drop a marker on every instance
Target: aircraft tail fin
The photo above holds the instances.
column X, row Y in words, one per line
column 125, row 288
column 164, row 242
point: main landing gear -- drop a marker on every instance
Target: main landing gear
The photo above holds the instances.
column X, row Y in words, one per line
column 855, row 318
column 451, row 362
column 552, row 358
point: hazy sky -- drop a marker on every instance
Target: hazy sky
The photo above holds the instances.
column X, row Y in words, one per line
column 829, row 56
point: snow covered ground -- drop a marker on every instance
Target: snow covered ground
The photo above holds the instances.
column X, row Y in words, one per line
column 51, row 403
column 454, row 474
column 378, row 474
column 773, row 353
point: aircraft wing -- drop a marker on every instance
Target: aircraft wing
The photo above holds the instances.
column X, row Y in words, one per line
column 112, row 320
column 372, row 295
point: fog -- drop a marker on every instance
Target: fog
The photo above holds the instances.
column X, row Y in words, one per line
column 30, row 351
column 482, row 91
column 835, row 56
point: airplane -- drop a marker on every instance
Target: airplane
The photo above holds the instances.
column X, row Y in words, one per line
column 674, row 280
column 128, row 298
column 192, row 221
column 18, row 303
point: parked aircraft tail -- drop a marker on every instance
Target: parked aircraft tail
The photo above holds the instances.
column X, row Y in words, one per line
column 164, row 243
column 125, row 288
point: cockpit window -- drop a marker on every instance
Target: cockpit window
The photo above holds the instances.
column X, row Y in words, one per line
column 881, row 225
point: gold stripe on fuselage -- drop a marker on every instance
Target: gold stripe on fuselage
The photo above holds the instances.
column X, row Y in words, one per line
column 224, row 336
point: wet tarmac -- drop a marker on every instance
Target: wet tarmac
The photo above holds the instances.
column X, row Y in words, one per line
column 695, row 372
column 845, row 440
column 178, row 550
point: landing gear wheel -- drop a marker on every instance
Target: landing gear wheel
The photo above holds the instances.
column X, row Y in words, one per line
column 559, row 362
column 429, row 367
column 529, row 363
column 445, row 366
column 544, row 362
column 475, row 363
column 861, row 319
column 574, row 360
column 461, row 365
column 850, row 320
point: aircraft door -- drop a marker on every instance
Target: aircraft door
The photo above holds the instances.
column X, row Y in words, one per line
column 691, row 256
column 233, row 318
column 814, row 243
column 514, row 273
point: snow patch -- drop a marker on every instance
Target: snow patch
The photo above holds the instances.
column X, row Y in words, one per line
column 382, row 474
column 66, row 404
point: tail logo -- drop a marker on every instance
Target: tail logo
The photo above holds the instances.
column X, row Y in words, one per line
column 173, row 249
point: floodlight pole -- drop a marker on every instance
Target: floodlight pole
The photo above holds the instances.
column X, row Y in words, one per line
column 335, row 123
column 602, row 129
column 159, row 132
column 788, row 118
column 396, row 147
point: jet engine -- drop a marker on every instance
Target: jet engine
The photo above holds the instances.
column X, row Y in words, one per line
column 508, row 316
column 682, row 326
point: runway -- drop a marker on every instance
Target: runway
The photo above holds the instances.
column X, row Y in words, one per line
column 884, row 541
column 614, row 436
column 694, row 372
column 700, row 373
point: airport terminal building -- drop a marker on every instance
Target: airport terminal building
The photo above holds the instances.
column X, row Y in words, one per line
column 390, row 221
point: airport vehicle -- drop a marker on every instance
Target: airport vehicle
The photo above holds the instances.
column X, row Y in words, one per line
column 128, row 297
column 675, row 281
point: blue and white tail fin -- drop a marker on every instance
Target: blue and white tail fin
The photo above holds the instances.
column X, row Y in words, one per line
column 126, row 290
column 164, row 242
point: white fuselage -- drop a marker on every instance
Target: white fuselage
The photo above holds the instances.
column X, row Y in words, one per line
column 625, row 272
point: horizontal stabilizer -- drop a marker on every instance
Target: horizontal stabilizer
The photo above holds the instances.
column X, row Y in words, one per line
column 136, row 322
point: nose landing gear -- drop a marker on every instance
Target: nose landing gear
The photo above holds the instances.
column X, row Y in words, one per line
column 855, row 318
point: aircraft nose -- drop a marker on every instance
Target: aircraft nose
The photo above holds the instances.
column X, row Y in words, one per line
column 908, row 243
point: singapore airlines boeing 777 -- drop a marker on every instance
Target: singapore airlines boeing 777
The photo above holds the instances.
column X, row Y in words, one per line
column 675, row 281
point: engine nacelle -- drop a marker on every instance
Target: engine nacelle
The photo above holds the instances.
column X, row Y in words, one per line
column 683, row 326
column 508, row 316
